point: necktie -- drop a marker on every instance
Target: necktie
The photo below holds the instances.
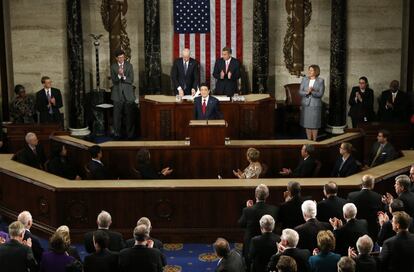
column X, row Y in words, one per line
column 227, row 65
column 377, row 155
column 204, row 107
column 48, row 100
column 185, row 67
column 340, row 167
column 393, row 97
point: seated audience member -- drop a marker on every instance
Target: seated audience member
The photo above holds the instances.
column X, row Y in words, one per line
column 26, row 219
column 393, row 104
column 22, row 107
column 103, row 260
column 71, row 250
column 56, row 259
column 95, row 166
column 142, row 257
column 287, row 247
column 229, row 260
column 254, row 168
column 346, row 164
column 368, row 204
column 32, row 153
column 145, row 221
column 402, row 188
column 412, row 178
column 397, row 252
column 308, row 231
column 347, row 234
column 16, row 254
column 262, row 247
column 58, row 163
column 306, row 166
column 323, row 258
column 364, row 261
column 332, row 205
column 290, row 213
column 146, row 169
column 346, row 264
column 251, row 215
column 286, row 264
column 361, row 102
column 206, row 107
column 382, row 151
column 104, row 221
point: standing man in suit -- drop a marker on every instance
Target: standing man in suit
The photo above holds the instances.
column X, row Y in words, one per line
column 185, row 74
column 32, row 153
column 363, row 260
column 122, row 95
column 48, row 102
column 402, row 188
column 227, row 72
column 206, row 107
column 331, row 206
column 96, row 166
column 382, row 151
column 306, row 166
column 229, row 260
column 290, row 213
column 345, row 165
column 26, row 219
column 393, row 105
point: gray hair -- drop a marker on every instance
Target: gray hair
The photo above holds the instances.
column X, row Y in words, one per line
column 104, row 220
column 267, row 223
column 29, row 136
column 261, row 192
column 364, row 244
column 16, row 229
column 346, row 264
column 290, row 236
column 349, row 210
column 404, row 181
column 25, row 218
column 309, row 208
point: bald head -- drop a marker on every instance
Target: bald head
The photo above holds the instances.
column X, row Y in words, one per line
column 186, row 54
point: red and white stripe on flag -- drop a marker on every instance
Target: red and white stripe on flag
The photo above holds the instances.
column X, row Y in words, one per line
column 226, row 29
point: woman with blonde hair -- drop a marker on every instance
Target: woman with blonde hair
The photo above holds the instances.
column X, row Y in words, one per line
column 254, row 169
column 323, row 259
column 71, row 250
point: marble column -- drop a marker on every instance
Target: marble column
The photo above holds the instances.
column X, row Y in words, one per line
column 260, row 46
column 75, row 58
column 337, row 91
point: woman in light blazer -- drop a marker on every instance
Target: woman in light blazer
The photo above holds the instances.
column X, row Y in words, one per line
column 311, row 90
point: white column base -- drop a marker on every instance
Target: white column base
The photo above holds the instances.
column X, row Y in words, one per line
column 335, row 129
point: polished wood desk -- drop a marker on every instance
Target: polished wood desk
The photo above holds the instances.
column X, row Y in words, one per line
column 162, row 118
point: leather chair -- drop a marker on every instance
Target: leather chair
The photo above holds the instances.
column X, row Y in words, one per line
column 292, row 106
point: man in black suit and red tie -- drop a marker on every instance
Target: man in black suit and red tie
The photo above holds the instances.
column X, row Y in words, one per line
column 185, row 74
column 227, row 72
column 48, row 102
column 206, row 107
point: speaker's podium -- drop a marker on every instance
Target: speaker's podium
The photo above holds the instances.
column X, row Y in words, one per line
column 207, row 132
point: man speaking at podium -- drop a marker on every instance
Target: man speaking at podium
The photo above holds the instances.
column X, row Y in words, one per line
column 206, row 107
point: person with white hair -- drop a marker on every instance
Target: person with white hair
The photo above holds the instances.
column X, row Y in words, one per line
column 347, row 234
column 26, row 219
column 364, row 261
column 263, row 246
column 287, row 247
column 104, row 221
column 146, row 221
column 184, row 74
column 32, row 153
column 309, row 230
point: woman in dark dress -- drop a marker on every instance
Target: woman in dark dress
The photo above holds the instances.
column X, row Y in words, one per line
column 145, row 168
column 361, row 102
column 57, row 259
column 59, row 164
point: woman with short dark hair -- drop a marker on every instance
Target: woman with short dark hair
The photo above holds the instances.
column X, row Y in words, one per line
column 361, row 102
column 57, row 259
column 22, row 106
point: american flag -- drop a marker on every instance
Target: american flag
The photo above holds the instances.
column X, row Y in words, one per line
column 205, row 27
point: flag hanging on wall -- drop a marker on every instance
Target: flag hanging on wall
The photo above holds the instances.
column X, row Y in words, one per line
column 205, row 27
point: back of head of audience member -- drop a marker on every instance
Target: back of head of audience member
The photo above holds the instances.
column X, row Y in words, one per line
column 396, row 206
column 96, row 152
column 262, row 192
column 309, row 209
column 16, row 230
column 330, row 189
column 141, row 233
column 368, row 182
column 289, row 238
column 400, row 221
column 326, row 241
column 57, row 243
column 286, row 264
column 404, row 183
column 143, row 156
column 349, row 210
column 104, row 220
column 26, row 219
column 65, row 232
column 307, row 150
column 144, row 221
column 100, row 240
column 31, row 139
column 346, row 264
column 364, row 245
column 253, row 154
column 221, row 247
column 267, row 223
column 293, row 188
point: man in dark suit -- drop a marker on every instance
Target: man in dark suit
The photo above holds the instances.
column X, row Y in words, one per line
column 331, row 206
column 230, row 261
column 251, row 216
column 142, row 257
column 262, row 247
column 382, row 151
column 122, row 95
column 393, row 104
column 103, row 260
column 287, row 247
column 345, row 165
column 402, row 188
column 363, row 260
column 309, row 231
column 306, row 166
column 397, row 252
column 48, row 102
column 32, row 153
column 227, row 72
column 26, row 219
column 96, row 167
column 16, row 254
column 104, row 221
column 368, row 204
column 290, row 213
column 206, row 107
column 346, row 235
column 185, row 74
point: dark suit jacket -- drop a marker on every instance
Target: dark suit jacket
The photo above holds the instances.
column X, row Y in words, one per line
column 148, row 172
column 290, row 213
column 15, row 257
column 350, row 167
column 227, row 86
column 305, row 168
column 408, row 199
column 28, row 157
column 103, row 261
column 399, row 112
column 140, row 258
column 42, row 105
column 366, row 263
column 348, row 234
column 186, row 81
column 308, row 232
column 388, row 153
column 330, row 207
column 98, row 171
column 360, row 110
column 232, row 263
column 387, row 232
column 368, row 204
column 116, row 242
column 157, row 244
column 301, row 257
column 37, row 248
column 262, row 247
column 61, row 167
column 397, row 253
column 212, row 110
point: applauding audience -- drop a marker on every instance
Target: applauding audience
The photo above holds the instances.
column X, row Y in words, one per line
column 103, row 260
column 364, row 261
column 229, row 260
column 323, row 258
